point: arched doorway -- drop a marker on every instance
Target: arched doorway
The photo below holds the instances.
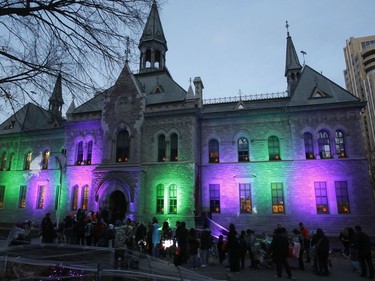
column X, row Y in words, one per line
column 117, row 206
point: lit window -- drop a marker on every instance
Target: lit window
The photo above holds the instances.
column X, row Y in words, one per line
column 277, row 192
column 46, row 155
column 79, row 153
column 28, row 160
column 75, row 198
column 340, row 144
column 273, row 148
column 309, row 146
column 160, row 199
column 2, row 195
column 85, row 198
column 89, row 153
column 173, row 199
column 214, row 198
column 324, row 145
column 22, row 197
column 213, row 151
column 174, row 147
column 245, row 198
column 161, row 149
column 123, row 141
column 3, row 161
column 321, row 198
column 40, row 198
column 342, row 197
column 243, row 150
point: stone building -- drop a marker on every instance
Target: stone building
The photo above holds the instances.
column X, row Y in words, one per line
column 147, row 147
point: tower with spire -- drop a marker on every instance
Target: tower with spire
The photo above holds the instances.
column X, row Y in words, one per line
column 152, row 45
column 293, row 67
column 56, row 100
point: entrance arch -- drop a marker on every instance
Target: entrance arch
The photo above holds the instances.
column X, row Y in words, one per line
column 117, row 206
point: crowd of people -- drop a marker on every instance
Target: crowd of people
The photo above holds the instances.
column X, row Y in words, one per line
column 196, row 247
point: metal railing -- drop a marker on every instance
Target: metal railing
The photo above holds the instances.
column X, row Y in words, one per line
column 265, row 96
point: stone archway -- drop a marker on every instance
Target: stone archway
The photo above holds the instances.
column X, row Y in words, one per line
column 117, row 206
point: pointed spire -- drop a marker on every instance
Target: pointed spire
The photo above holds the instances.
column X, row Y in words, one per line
column 71, row 108
column 153, row 45
column 292, row 61
column 56, row 100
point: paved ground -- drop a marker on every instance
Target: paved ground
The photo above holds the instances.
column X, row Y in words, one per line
column 90, row 257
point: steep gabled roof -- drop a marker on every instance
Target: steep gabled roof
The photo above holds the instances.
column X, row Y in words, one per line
column 159, row 87
column 28, row 118
column 314, row 88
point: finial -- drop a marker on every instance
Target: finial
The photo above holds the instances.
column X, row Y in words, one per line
column 287, row 28
column 127, row 51
column 240, row 94
column 303, row 54
column 190, row 80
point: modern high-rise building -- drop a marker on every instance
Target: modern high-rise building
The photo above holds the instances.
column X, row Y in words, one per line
column 146, row 147
column 360, row 81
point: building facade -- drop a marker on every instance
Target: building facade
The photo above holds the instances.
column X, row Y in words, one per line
column 360, row 80
column 147, row 147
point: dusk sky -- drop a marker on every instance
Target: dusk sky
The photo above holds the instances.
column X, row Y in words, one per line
column 240, row 45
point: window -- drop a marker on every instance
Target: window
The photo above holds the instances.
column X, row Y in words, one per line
column 28, row 160
column 173, row 199
column 46, row 155
column 2, row 195
column 324, row 145
column 245, row 198
column 85, row 198
column 160, row 199
column 161, row 149
column 3, row 161
column 89, row 153
column 321, row 198
column 243, row 150
column 309, row 146
column 174, row 147
column 79, row 153
column 277, row 192
column 213, row 151
column 122, row 153
column 40, row 198
column 340, row 144
column 22, row 198
column 75, row 198
column 342, row 197
column 214, row 198
column 10, row 161
column 273, row 148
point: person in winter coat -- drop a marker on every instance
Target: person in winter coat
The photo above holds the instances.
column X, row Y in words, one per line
column 322, row 252
column 193, row 246
column 220, row 249
column 363, row 244
column 279, row 249
column 48, row 230
column 298, row 238
column 234, row 249
column 206, row 242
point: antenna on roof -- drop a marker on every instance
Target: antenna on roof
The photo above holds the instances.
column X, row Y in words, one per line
column 303, row 55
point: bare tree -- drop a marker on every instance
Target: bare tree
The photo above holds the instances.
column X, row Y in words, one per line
column 84, row 40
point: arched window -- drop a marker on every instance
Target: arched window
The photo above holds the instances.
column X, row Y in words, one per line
column 324, row 145
column 122, row 150
column 79, row 153
column 148, row 58
column 340, row 144
column 160, row 199
column 173, row 199
column 174, row 147
column 3, row 161
column 85, row 198
column 89, row 153
column 161, row 149
column 11, row 157
column 243, row 150
column 213, row 151
column 28, row 160
column 309, row 145
column 273, row 148
column 45, row 160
